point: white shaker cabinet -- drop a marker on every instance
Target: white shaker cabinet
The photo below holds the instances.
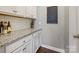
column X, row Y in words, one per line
column 31, row 11
column 26, row 47
column 14, row 46
column 19, row 50
column 34, row 12
column 39, row 38
column 26, row 11
column 36, row 41
column 9, row 9
column 27, row 44
column 20, row 10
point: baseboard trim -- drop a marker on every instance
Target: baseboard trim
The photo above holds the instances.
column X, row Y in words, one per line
column 53, row 48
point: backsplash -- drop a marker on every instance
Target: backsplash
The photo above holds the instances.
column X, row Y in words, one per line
column 16, row 23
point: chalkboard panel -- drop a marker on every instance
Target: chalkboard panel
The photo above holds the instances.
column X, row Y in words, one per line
column 52, row 15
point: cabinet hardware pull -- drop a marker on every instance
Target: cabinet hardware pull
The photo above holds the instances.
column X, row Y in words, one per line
column 76, row 36
column 24, row 49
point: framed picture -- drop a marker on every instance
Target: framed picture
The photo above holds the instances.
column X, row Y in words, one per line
column 52, row 15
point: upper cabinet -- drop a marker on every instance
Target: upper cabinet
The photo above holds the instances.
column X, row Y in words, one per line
column 34, row 12
column 31, row 11
column 20, row 10
column 26, row 11
column 9, row 9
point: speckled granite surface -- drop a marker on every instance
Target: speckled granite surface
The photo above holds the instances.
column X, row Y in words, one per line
column 15, row 35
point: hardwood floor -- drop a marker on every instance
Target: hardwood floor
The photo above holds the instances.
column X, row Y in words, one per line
column 45, row 50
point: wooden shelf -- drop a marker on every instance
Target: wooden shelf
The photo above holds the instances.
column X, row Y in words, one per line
column 15, row 15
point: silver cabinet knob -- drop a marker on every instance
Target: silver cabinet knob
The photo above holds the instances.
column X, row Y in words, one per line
column 76, row 36
column 24, row 49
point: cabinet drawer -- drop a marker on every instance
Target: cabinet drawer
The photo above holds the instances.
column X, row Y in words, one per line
column 19, row 50
column 17, row 44
column 28, row 38
column 14, row 46
column 26, row 48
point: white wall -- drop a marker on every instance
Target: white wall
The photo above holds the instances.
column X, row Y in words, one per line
column 53, row 34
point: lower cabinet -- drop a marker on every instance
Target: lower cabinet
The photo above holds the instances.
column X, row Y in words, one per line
column 36, row 41
column 19, row 50
column 28, row 44
column 26, row 48
column 39, row 37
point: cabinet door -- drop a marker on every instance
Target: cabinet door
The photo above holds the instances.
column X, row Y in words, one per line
column 36, row 41
column 28, row 11
column 12, row 47
column 9, row 9
column 40, row 38
column 20, row 10
column 19, row 50
column 27, row 47
column 34, row 12
column 31, row 11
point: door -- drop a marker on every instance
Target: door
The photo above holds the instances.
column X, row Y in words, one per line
column 73, row 29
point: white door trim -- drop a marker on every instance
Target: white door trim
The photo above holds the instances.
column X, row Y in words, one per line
column 53, row 48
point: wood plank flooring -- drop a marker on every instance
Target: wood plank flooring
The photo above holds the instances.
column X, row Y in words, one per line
column 45, row 50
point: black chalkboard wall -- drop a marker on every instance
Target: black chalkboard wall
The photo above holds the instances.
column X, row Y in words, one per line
column 52, row 15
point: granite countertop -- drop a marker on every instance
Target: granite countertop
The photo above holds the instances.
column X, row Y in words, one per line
column 7, row 39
